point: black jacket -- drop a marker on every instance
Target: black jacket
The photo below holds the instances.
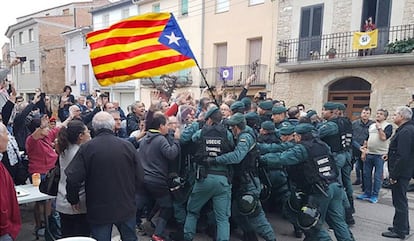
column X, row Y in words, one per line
column 111, row 172
column 401, row 152
column 156, row 154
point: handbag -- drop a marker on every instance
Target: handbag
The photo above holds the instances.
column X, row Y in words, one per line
column 49, row 185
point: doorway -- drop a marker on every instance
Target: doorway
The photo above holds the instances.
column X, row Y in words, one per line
column 353, row 92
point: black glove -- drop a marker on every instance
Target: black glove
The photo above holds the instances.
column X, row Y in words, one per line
column 209, row 161
column 262, row 162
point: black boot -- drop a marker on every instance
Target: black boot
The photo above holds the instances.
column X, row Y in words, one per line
column 351, row 202
column 178, row 235
column 249, row 236
column 298, row 232
column 348, row 216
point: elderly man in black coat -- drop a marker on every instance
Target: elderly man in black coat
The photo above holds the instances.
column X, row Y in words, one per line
column 112, row 173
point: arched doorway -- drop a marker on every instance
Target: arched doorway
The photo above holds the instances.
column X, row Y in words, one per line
column 354, row 92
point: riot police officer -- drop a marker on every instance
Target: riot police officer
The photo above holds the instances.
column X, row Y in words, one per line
column 212, row 180
column 314, row 174
column 246, row 208
column 333, row 132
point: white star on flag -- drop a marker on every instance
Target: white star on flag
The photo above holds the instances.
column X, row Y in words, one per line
column 173, row 39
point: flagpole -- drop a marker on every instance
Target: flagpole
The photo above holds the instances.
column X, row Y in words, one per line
column 208, row 86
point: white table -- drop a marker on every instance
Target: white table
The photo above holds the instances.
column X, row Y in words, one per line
column 30, row 193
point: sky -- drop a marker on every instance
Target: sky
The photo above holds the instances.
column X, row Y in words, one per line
column 12, row 9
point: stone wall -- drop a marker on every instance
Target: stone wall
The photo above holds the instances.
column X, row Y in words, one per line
column 391, row 86
column 343, row 16
column 408, row 12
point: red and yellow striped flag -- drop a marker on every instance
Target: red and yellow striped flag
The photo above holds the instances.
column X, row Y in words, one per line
column 139, row 47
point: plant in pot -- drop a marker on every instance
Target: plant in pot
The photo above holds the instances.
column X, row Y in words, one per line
column 331, row 53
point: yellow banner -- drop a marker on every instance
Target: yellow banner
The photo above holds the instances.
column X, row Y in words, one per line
column 365, row 40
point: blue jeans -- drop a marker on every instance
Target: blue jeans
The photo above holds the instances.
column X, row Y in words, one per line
column 6, row 237
column 371, row 162
column 103, row 232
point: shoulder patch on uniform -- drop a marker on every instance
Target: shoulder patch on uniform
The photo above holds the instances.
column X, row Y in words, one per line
column 243, row 139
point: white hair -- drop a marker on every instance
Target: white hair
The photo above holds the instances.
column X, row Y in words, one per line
column 103, row 120
column 405, row 112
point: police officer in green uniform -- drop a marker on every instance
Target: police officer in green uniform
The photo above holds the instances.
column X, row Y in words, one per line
column 346, row 138
column 315, row 175
column 264, row 109
column 331, row 132
column 212, row 180
column 246, row 208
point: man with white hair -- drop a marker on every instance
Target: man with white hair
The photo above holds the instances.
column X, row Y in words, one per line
column 111, row 177
column 10, row 212
column 401, row 169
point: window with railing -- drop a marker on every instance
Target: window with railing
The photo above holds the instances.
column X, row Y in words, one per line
column 389, row 38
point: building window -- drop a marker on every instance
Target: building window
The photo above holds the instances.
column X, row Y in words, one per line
column 85, row 44
column 221, row 54
column 31, row 35
column 20, row 37
column 156, row 8
column 255, row 2
column 105, row 20
column 125, row 13
column 85, row 74
column 72, row 80
column 32, row 65
column 255, row 50
column 184, row 7
column 65, row 11
column 13, row 42
column 222, row 6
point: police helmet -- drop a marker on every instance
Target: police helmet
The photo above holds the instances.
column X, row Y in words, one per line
column 265, row 192
column 308, row 217
column 296, row 201
column 247, row 204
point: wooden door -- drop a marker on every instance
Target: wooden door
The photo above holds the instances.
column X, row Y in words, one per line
column 353, row 100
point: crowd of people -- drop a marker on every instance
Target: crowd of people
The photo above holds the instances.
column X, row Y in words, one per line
column 217, row 164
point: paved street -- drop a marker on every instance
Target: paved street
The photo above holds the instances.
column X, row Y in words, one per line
column 371, row 220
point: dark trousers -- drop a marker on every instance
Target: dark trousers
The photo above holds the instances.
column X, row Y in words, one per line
column 400, row 203
column 162, row 196
column 74, row 225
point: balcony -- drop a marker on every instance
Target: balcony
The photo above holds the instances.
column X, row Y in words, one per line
column 179, row 79
column 234, row 76
column 313, row 52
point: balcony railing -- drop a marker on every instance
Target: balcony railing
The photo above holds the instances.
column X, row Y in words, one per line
column 235, row 76
column 316, row 48
column 181, row 79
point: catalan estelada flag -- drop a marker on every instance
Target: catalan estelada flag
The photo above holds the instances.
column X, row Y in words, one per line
column 139, row 47
column 365, row 40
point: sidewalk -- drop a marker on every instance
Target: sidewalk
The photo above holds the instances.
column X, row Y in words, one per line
column 371, row 221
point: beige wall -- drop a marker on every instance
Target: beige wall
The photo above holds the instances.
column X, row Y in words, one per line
column 235, row 27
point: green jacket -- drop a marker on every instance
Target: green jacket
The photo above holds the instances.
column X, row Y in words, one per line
column 245, row 143
column 291, row 156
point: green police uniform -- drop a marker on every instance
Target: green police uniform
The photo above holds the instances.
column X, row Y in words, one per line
column 246, row 183
column 329, row 200
column 212, row 181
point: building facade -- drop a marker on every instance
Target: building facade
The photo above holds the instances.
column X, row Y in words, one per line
column 308, row 31
column 37, row 37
